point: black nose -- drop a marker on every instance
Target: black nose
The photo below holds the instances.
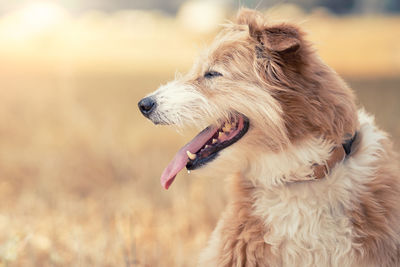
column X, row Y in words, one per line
column 147, row 105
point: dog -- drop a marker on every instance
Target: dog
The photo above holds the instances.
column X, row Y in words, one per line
column 313, row 181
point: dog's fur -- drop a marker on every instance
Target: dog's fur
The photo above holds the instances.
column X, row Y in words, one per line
column 299, row 110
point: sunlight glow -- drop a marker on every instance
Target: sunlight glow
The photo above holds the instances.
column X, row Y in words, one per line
column 201, row 16
column 39, row 16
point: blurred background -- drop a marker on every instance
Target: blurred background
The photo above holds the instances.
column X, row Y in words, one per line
column 80, row 167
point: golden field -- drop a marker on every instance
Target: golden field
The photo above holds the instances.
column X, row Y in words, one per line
column 80, row 167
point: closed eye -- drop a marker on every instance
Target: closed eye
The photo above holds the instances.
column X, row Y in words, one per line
column 211, row 74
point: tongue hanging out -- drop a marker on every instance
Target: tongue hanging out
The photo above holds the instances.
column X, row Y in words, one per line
column 204, row 148
column 180, row 160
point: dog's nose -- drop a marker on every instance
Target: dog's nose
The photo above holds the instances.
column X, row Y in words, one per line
column 147, row 105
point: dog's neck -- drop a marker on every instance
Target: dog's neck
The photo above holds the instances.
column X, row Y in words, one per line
column 309, row 160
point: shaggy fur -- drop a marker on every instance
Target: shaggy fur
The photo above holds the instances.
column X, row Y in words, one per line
column 299, row 111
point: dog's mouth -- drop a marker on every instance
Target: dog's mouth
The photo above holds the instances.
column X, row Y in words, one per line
column 205, row 147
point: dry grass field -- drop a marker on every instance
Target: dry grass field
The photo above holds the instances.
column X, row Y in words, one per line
column 80, row 167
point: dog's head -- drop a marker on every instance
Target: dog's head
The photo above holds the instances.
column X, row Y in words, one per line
column 258, row 88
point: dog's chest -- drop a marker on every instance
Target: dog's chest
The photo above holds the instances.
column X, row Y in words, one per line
column 306, row 229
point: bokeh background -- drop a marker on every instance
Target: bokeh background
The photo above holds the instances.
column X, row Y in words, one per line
column 80, row 167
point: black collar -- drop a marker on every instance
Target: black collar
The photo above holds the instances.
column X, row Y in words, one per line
column 347, row 145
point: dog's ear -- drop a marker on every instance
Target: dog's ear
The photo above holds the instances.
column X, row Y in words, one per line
column 281, row 38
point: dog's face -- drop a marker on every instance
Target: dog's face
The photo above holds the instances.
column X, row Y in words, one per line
column 257, row 89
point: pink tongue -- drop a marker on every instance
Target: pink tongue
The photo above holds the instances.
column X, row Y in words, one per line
column 180, row 160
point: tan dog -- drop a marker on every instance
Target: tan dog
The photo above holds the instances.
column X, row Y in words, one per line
column 315, row 181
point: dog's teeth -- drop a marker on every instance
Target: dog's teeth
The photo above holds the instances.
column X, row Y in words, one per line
column 190, row 155
column 214, row 141
column 221, row 135
column 227, row 127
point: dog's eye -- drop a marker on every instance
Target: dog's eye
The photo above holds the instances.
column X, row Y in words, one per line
column 211, row 74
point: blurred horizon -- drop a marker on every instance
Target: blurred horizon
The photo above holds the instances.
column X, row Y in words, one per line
column 172, row 6
column 44, row 36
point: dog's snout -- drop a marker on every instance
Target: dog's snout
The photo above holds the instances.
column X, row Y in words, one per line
column 147, row 106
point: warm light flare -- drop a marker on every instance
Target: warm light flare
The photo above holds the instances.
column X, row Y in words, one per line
column 40, row 15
